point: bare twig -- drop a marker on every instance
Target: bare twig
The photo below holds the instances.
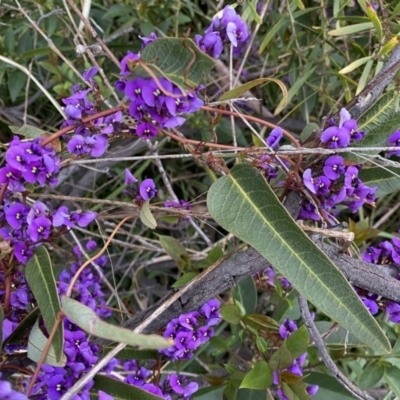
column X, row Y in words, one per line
column 326, row 358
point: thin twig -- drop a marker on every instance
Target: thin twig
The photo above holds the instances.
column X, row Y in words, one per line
column 326, row 358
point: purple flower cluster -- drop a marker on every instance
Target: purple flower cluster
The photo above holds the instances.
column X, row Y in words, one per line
column 190, row 330
column 226, row 28
column 29, row 162
column 340, row 136
column 170, row 387
column 26, row 227
column 272, row 277
column 336, row 183
column 88, row 138
column 154, row 104
column 145, row 191
column 285, row 330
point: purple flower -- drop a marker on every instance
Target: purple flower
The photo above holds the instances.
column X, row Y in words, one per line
column 90, row 73
column 394, row 311
column 148, row 39
column 8, row 393
column 335, row 137
column 236, row 28
column 189, row 320
column 152, row 95
column 371, row 305
column 309, row 181
column 104, row 396
column 211, row 44
column 39, row 229
column 147, row 189
column 210, row 310
column 97, row 145
column 394, row 140
column 274, row 138
column 372, row 255
column 287, row 328
column 177, row 387
column 22, row 252
column 16, row 215
column 334, row 167
column 127, row 62
column 129, row 178
column 146, row 130
column 312, row 390
column 77, row 145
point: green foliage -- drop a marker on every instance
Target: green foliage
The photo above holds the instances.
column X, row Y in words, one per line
column 40, row 277
column 244, row 204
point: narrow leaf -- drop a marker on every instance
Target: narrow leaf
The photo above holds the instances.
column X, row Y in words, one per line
column 175, row 250
column 244, row 204
column 375, row 20
column 88, row 320
column 36, row 344
column 253, row 10
column 347, row 30
column 178, row 60
column 387, row 180
column 246, row 294
column 41, row 280
column 129, row 353
column 185, row 278
column 364, row 76
column 146, row 216
column 120, row 390
column 355, row 64
column 240, row 90
column 389, row 46
column 294, row 89
column 371, row 375
column 261, row 323
column 259, row 378
column 392, row 378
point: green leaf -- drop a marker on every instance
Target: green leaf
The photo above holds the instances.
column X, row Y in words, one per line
column 28, row 131
column 240, row 90
column 88, row 320
column 297, row 342
column 260, row 377
column 178, row 60
column 231, row 313
column 348, row 30
column 185, row 278
column 392, row 379
column 281, row 358
column 355, row 64
column 253, row 10
column 396, row 348
column 371, row 375
column 209, row 393
column 41, row 280
column 295, row 391
column 246, row 294
column 16, row 81
column 20, row 332
column 36, row 344
column 9, row 40
column 120, row 390
column 251, row 394
column 329, row 388
column 283, row 22
column 146, row 216
column 261, row 323
column 375, row 20
column 175, row 250
column 364, row 76
column 295, row 88
column 386, row 179
column 379, row 122
column 129, row 353
column 308, row 130
column 244, row 204
column 35, row 52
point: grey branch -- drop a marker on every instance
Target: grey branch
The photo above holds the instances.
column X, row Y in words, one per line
column 326, row 358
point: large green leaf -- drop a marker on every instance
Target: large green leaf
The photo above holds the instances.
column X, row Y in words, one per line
column 178, row 60
column 246, row 294
column 387, row 180
column 244, row 204
column 40, row 278
column 88, row 320
column 120, row 390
